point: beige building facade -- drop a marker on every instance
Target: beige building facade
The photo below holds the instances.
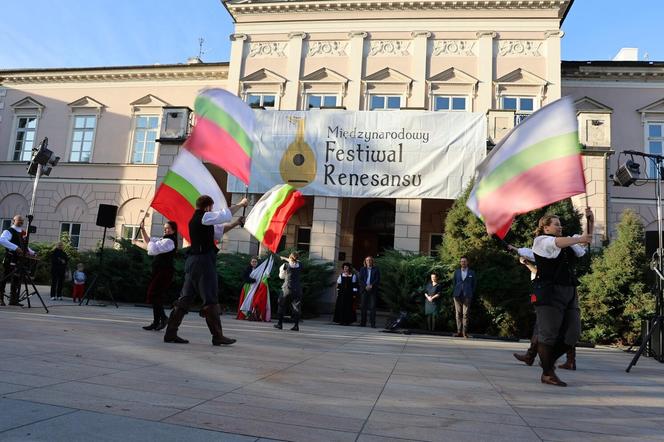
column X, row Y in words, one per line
column 497, row 57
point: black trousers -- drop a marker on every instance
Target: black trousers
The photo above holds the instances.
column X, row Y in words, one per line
column 57, row 281
column 294, row 299
column 559, row 321
column 9, row 275
column 368, row 302
column 200, row 279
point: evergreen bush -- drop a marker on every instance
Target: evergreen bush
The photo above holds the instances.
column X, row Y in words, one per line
column 614, row 296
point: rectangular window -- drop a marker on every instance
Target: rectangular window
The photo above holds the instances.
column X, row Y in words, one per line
column 83, row 135
column 381, row 102
column 303, row 238
column 26, row 130
column 74, row 232
column 267, row 101
column 6, row 224
column 129, row 232
column 524, row 105
column 146, row 130
column 435, row 241
column 320, row 101
column 654, row 143
column 448, row 103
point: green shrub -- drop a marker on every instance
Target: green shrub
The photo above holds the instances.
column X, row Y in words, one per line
column 614, row 297
column 501, row 305
column 403, row 277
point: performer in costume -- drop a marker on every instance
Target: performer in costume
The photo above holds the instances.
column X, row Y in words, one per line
column 247, row 279
column 13, row 240
column 291, row 294
column 200, row 277
column 164, row 250
column 347, row 290
column 527, row 258
column 557, row 304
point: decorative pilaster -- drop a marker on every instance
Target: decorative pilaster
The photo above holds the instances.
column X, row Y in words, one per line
column 485, row 70
column 289, row 101
column 419, row 90
column 236, row 64
column 407, row 222
column 356, row 63
column 553, row 90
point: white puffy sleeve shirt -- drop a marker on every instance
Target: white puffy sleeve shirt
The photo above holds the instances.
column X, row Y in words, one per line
column 546, row 247
column 157, row 246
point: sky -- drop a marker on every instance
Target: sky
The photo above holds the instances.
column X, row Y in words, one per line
column 83, row 33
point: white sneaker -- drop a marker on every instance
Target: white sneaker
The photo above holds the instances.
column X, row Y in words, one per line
column 52, row 298
column 59, row 298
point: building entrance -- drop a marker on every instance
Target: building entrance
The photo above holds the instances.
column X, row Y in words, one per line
column 374, row 231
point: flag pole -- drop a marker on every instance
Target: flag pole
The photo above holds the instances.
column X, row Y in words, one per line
column 244, row 209
column 145, row 215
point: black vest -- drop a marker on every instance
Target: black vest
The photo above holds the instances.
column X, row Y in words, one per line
column 292, row 281
column 560, row 270
column 165, row 260
column 202, row 237
column 17, row 240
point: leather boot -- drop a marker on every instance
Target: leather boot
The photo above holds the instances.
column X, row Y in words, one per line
column 529, row 356
column 280, row 324
column 212, row 313
column 174, row 322
column 547, row 358
column 570, row 364
column 155, row 319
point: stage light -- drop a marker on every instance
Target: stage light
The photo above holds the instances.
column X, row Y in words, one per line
column 42, row 156
column 627, row 174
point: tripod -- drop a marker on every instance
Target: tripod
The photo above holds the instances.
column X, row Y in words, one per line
column 21, row 280
column 90, row 289
column 656, row 265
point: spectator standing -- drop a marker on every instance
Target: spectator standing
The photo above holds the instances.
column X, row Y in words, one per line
column 59, row 261
column 465, row 283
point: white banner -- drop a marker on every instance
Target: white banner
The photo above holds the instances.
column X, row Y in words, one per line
column 379, row 154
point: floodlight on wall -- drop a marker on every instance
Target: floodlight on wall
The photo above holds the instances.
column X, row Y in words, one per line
column 42, row 156
column 627, row 174
column 175, row 124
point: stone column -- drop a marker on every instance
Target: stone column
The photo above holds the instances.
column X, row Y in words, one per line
column 485, row 72
column 289, row 100
column 407, row 221
column 420, row 51
column 236, row 64
column 325, row 236
column 356, row 69
column 553, row 76
column 167, row 154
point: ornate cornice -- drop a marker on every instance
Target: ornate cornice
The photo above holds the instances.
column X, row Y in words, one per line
column 143, row 73
column 460, row 48
column 267, row 49
column 333, row 48
column 388, row 48
column 261, row 6
column 520, row 48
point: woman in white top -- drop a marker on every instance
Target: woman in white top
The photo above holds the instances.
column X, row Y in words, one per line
column 556, row 303
column 163, row 250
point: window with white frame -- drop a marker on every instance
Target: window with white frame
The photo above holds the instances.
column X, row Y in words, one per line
column 654, row 143
column 26, row 131
column 317, row 101
column 449, row 103
column 82, row 138
column 267, row 101
column 129, row 231
column 73, row 230
column 146, row 129
column 384, row 102
column 523, row 106
column 6, row 224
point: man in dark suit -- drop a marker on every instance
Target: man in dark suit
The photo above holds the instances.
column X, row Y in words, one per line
column 369, row 282
column 464, row 289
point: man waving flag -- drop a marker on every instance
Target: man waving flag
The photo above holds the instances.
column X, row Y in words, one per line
column 536, row 164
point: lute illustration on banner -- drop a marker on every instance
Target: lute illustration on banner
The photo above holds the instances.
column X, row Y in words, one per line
column 298, row 165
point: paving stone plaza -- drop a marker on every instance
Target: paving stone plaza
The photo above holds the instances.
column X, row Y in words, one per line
column 91, row 373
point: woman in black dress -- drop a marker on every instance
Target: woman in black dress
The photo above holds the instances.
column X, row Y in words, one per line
column 347, row 289
column 432, row 292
